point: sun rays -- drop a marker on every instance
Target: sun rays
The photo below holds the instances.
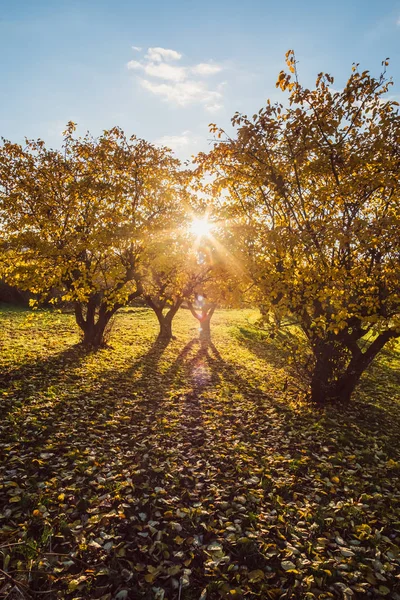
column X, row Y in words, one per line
column 201, row 227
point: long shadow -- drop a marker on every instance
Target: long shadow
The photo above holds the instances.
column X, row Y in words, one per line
column 135, row 420
column 224, row 372
column 374, row 398
column 60, row 369
column 70, row 409
column 54, row 435
column 43, row 369
column 152, row 374
column 204, row 371
column 383, row 370
column 36, row 376
column 192, row 430
column 272, row 349
column 360, row 420
column 146, row 396
column 147, row 363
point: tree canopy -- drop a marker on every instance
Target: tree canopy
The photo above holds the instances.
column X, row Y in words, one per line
column 304, row 199
column 311, row 190
column 78, row 219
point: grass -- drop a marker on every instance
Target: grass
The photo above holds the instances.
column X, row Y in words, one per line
column 189, row 470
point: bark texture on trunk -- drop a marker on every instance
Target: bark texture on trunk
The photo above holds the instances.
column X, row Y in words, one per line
column 93, row 326
column 165, row 323
column 335, row 377
column 164, row 320
column 94, row 320
column 205, row 328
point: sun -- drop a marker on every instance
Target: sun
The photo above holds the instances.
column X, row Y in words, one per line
column 200, row 227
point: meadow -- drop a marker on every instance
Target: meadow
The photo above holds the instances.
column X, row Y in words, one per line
column 189, row 470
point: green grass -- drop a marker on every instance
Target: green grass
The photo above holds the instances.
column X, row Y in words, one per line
column 144, row 468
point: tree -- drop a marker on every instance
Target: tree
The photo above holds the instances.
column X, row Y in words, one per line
column 172, row 276
column 311, row 190
column 223, row 286
column 202, row 310
column 78, row 219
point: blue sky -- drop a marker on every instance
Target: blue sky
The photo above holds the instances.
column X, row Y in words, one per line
column 198, row 62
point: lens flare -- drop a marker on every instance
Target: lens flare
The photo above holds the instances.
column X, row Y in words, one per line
column 200, row 227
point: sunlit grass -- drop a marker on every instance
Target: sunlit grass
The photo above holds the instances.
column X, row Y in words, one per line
column 204, row 442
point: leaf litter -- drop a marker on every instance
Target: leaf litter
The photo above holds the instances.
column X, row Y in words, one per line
column 183, row 471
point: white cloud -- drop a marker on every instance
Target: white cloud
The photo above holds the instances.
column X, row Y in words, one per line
column 183, row 85
column 136, row 48
column 161, row 70
column 183, row 145
column 185, row 93
column 165, row 71
column 159, row 54
column 176, row 142
column 206, row 69
column 134, row 64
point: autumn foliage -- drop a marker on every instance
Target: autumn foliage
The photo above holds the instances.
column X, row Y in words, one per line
column 311, row 191
column 81, row 220
column 305, row 197
column 199, row 470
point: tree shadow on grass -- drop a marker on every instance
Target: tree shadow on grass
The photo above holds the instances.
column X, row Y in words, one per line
column 374, row 406
column 145, row 393
column 272, row 348
column 200, row 365
column 383, row 376
column 49, row 438
column 44, row 368
column 364, row 422
column 76, row 402
column 19, row 384
column 221, row 435
column 377, row 397
column 190, row 434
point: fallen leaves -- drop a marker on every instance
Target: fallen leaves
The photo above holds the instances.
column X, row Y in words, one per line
column 117, row 482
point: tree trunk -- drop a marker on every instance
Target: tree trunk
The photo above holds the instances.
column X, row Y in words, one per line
column 334, row 378
column 320, row 385
column 339, row 390
column 347, row 384
column 164, row 320
column 165, row 332
column 330, row 377
column 204, row 319
column 205, row 328
column 93, row 331
column 93, row 335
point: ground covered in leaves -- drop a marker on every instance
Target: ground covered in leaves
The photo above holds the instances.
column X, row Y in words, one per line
column 188, row 471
